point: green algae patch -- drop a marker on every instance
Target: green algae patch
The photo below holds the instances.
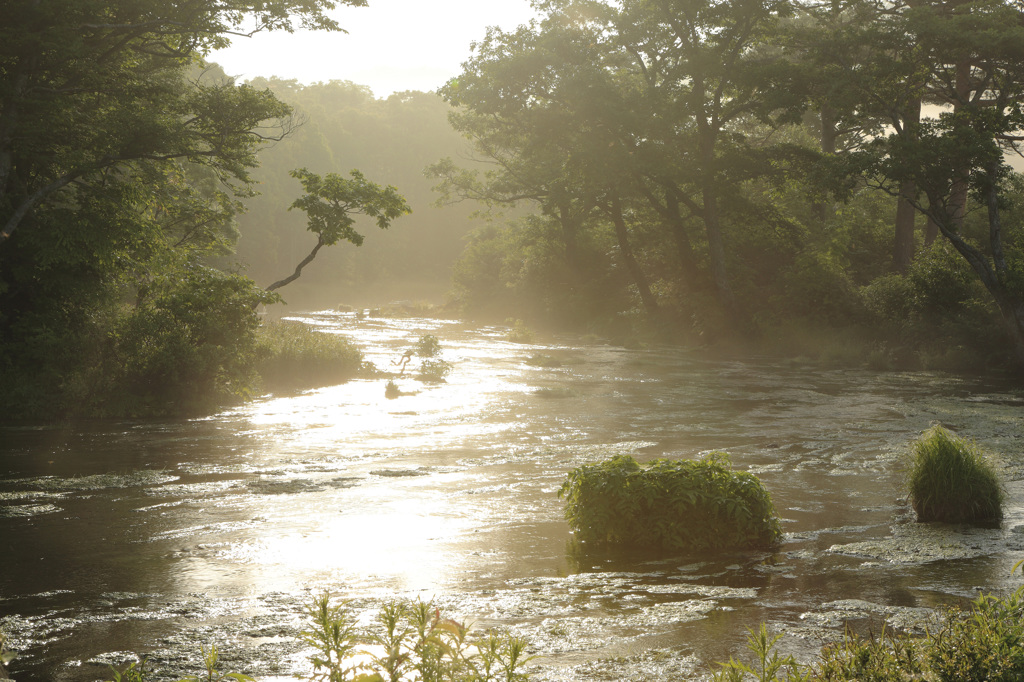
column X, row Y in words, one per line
column 673, row 505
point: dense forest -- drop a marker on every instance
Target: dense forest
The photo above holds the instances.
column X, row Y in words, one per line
column 826, row 179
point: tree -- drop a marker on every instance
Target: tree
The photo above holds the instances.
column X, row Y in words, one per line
column 89, row 85
column 331, row 201
column 122, row 162
column 975, row 52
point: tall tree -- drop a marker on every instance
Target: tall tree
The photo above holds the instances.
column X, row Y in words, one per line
column 975, row 51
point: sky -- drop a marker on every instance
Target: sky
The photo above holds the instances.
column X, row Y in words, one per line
column 391, row 46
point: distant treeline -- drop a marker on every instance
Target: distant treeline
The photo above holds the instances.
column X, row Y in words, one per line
column 749, row 170
column 343, row 126
column 754, row 169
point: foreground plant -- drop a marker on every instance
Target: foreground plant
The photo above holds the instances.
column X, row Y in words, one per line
column 952, row 481
column 670, row 505
column 407, row 639
column 984, row 643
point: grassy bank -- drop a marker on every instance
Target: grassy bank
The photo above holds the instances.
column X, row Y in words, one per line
column 295, row 356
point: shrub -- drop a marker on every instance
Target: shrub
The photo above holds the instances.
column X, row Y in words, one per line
column 670, row 505
column 296, row 356
column 409, row 640
column 983, row 644
column 188, row 346
column 434, row 370
column 519, row 333
column 951, row 480
column 428, row 346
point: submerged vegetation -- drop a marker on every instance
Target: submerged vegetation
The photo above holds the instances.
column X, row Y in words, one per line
column 677, row 505
column 951, row 480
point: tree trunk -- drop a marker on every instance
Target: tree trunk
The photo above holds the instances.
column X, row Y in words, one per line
column 958, row 192
column 903, row 244
column 639, row 279
column 903, row 241
column 1009, row 301
column 713, row 228
column 298, row 268
column 684, row 249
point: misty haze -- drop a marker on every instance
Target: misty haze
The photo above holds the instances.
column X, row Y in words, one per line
column 379, row 340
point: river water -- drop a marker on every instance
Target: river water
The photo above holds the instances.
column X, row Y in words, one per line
column 125, row 538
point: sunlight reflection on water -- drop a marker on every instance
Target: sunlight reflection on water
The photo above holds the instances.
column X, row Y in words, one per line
column 449, row 492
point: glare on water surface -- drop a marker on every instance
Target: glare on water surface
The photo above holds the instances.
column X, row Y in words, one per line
column 226, row 525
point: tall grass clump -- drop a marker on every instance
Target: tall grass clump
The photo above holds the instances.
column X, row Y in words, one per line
column 295, row 356
column 670, row 505
column 952, row 481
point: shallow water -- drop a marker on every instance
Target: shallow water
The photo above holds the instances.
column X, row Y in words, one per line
column 125, row 538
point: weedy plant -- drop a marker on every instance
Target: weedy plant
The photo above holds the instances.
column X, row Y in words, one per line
column 408, row 640
column 428, row 346
column 951, row 480
column 434, row 370
column 984, row 643
column 5, row 655
column 670, row 505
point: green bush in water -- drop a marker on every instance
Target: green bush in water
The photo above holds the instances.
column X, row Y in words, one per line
column 296, row 356
column 434, row 370
column 670, row 505
column 428, row 346
column 951, row 481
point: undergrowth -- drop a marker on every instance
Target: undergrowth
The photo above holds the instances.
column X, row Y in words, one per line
column 295, row 356
column 983, row 643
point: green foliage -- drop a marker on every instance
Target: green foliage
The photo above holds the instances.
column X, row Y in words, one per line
column 391, row 390
column 434, row 370
column 428, row 346
column 293, row 356
column 330, row 202
column 951, row 481
column 408, row 640
column 212, row 672
column 332, row 635
column 670, row 505
column 392, row 138
column 983, row 644
column 189, row 345
column 768, row 662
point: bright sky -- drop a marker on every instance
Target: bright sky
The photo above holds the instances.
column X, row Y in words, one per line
column 391, row 46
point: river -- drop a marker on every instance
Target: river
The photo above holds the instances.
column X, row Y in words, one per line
column 120, row 538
